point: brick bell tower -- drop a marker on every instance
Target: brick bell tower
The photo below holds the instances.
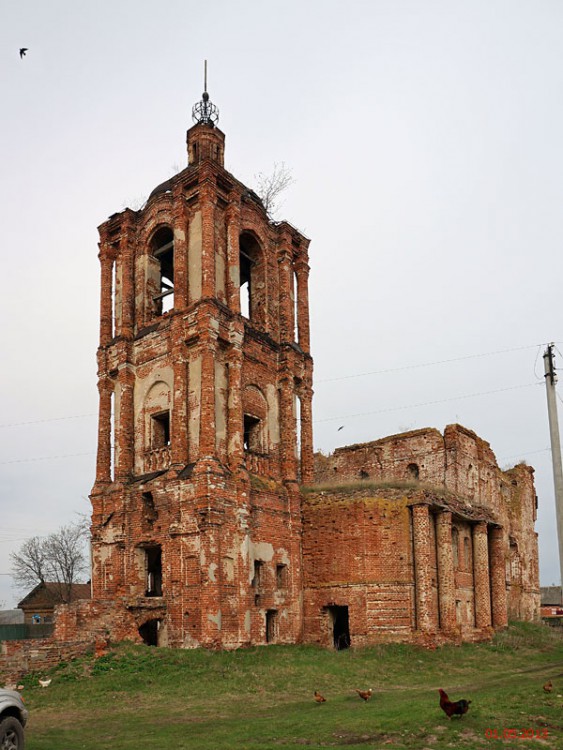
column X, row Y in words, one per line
column 205, row 429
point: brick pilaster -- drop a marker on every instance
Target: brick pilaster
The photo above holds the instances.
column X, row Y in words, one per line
column 126, row 433
column 179, row 422
column 498, row 578
column 103, row 459
column 127, row 281
column 180, row 253
column 207, row 201
column 233, row 251
column 481, row 587
column 307, row 461
column 106, row 296
column 235, row 415
column 287, row 321
column 446, row 573
column 207, row 421
column 302, row 276
column 287, row 418
column 423, row 590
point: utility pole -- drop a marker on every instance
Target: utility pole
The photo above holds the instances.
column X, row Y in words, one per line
column 550, row 381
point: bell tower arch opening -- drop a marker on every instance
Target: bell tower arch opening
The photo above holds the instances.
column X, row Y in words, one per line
column 162, row 249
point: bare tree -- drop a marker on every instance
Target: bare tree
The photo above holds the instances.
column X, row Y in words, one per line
column 59, row 558
column 269, row 187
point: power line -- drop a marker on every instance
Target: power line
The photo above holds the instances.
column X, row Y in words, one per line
column 426, row 403
column 46, row 458
column 429, row 364
column 52, row 419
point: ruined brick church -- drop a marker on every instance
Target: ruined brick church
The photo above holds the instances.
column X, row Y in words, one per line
column 214, row 524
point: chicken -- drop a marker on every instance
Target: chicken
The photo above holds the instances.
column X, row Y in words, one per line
column 365, row 695
column 319, row 698
column 548, row 687
column 453, row 708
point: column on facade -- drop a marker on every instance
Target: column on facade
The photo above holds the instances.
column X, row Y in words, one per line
column 287, row 307
column 179, row 421
column 127, row 279
column 233, row 260
column 103, row 458
column 446, row 572
column 106, row 294
column 125, row 438
column 180, row 229
column 235, row 416
column 481, row 585
column 207, row 399
column 423, row 588
column 287, row 419
column 498, row 578
column 302, row 276
column 307, row 463
column 207, row 202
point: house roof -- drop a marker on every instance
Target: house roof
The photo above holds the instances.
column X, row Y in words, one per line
column 50, row 593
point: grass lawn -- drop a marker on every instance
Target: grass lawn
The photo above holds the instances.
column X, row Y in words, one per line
column 262, row 698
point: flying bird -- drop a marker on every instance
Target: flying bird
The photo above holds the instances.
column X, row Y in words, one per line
column 453, row 708
column 548, row 687
column 340, row 428
column 365, row 695
column 23, row 50
column 319, row 698
column 44, row 683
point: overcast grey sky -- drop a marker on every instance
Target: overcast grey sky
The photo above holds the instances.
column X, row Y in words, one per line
column 425, row 138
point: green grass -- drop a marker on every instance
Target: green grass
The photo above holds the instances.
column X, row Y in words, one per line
column 262, row 698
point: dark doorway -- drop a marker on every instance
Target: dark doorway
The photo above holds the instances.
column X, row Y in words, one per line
column 149, row 632
column 340, row 627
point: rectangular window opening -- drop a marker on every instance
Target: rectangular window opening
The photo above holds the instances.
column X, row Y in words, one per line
column 251, row 437
column 257, row 580
column 160, row 437
column 271, row 625
column 154, row 571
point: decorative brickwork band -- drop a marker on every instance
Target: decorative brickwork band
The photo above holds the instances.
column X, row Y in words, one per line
column 481, row 586
column 421, row 540
column 498, row 578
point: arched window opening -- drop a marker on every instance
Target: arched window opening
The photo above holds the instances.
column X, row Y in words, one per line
column 162, row 248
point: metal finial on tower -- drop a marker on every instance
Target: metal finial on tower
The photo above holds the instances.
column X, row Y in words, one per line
column 205, row 111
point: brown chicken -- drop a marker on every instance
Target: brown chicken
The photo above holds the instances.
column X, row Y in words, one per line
column 548, row 687
column 453, row 708
column 319, row 698
column 365, row 695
